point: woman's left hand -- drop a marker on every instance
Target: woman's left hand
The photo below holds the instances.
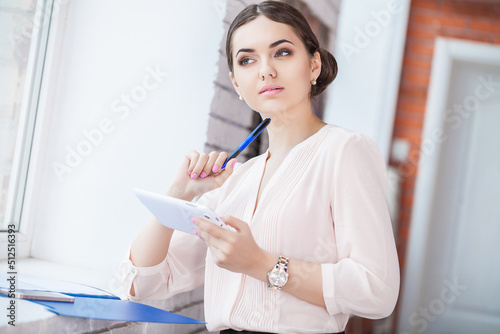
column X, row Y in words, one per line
column 236, row 250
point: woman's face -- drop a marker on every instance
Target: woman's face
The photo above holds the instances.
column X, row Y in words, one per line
column 270, row 53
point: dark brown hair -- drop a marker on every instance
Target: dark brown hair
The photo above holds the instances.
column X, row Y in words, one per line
column 287, row 14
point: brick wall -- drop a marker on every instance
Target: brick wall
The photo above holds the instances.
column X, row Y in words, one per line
column 471, row 20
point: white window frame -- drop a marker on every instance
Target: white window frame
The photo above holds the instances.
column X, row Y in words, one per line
column 19, row 195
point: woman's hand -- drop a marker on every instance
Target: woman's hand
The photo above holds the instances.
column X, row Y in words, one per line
column 236, row 250
column 199, row 173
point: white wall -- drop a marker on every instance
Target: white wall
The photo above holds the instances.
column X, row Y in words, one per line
column 369, row 50
column 100, row 51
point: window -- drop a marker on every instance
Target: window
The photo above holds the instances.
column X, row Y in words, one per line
column 24, row 29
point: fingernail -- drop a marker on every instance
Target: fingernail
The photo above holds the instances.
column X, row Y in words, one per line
column 189, row 173
column 192, row 219
column 194, row 176
column 195, row 231
column 215, row 169
column 234, row 162
column 203, row 175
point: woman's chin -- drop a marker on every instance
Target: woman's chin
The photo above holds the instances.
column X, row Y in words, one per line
column 271, row 108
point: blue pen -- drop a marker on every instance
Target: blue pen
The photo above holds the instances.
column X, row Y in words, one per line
column 255, row 133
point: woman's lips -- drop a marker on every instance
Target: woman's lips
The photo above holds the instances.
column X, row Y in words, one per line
column 272, row 92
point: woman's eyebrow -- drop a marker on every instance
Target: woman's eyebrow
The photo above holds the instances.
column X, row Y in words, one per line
column 272, row 45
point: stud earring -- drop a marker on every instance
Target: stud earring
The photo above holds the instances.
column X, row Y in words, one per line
column 313, row 82
column 241, row 98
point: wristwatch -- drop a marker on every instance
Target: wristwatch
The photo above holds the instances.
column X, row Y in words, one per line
column 278, row 276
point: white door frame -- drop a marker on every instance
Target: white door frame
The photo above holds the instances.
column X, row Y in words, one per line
column 446, row 51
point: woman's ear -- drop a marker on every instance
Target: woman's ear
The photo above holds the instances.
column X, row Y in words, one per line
column 235, row 84
column 316, row 65
column 233, row 80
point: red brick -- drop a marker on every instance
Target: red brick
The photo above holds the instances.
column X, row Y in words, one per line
column 409, row 62
column 471, row 9
column 431, row 4
column 414, row 85
column 453, row 21
column 428, row 50
column 407, row 132
column 412, row 92
column 404, row 226
column 418, row 109
column 408, row 201
column 417, row 56
column 485, row 25
column 426, row 19
column 423, row 68
column 404, row 217
column 411, row 99
column 409, row 184
column 414, row 32
column 403, row 230
column 405, row 209
column 417, row 78
column 428, row 42
column 432, row 27
column 408, row 123
column 408, row 99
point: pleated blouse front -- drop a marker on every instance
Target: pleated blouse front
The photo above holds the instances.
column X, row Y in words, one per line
column 324, row 204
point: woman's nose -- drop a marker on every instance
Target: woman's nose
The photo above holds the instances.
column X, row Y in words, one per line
column 266, row 70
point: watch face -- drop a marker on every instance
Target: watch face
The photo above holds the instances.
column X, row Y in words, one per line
column 278, row 277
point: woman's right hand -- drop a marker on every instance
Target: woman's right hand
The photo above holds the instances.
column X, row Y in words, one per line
column 199, row 173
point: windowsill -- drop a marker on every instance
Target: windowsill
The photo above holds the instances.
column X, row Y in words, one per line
column 63, row 272
column 31, row 317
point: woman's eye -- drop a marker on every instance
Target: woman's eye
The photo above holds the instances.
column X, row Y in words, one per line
column 281, row 53
column 245, row 61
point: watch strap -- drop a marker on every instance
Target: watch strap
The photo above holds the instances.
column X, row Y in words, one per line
column 281, row 264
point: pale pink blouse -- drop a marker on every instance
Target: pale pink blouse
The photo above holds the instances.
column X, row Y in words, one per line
column 325, row 204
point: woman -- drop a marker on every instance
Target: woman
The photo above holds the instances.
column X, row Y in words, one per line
column 312, row 239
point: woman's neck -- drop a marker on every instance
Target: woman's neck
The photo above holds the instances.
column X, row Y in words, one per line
column 287, row 130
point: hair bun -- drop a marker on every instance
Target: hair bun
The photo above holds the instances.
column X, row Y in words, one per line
column 328, row 73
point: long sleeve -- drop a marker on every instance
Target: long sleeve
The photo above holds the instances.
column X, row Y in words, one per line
column 365, row 280
column 183, row 268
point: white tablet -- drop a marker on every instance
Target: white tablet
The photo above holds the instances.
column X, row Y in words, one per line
column 176, row 213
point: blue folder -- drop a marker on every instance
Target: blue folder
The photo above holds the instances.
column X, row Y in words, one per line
column 115, row 309
column 104, row 306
